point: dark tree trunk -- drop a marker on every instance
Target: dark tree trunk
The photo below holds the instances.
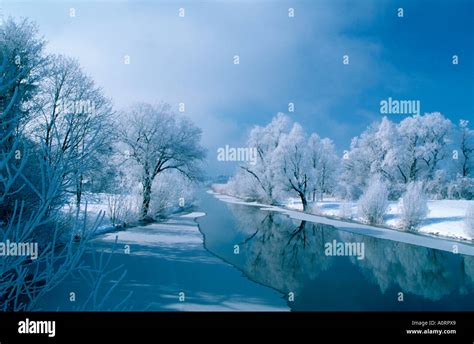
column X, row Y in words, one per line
column 79, row 185
column 146, row 198
column 304, row 201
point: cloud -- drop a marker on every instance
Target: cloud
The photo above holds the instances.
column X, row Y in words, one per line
column 190, row 59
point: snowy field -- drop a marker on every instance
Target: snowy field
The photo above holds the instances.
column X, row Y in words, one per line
column 445, row 217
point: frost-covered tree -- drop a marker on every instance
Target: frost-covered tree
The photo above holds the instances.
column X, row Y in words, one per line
column 293, row 165
column 413, row 150
column 462, row 183
column 324, row 165
column 22, row 65
column 242, row 185
column 413, row 206
column 373, row 203
column 423, row 145
column 157, row 141
column 166, row 199
column 73, row 122
column 466, row 146
column 371, row 153
column 266, row 140
column 287, row 162
column 24, row 280
column 461, row 188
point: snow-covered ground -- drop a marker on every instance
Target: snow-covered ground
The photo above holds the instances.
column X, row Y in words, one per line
column 97, row 205
column 125, row 207
column 445, row 217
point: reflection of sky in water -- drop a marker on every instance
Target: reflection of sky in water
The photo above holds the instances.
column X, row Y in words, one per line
column 288, row 255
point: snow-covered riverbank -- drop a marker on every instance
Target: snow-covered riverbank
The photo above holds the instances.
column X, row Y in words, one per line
column 445, row 217
column 438, row 242
column 117, row 211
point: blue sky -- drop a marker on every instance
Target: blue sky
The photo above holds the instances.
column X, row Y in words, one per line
column 282, row 59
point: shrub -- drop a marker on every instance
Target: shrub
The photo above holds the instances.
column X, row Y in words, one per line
column 373, row 203
column 122, row 209
column 345, row 210
column 414, row 206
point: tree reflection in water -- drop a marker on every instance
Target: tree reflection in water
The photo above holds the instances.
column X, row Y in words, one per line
column 280, row 253
column 284, row 253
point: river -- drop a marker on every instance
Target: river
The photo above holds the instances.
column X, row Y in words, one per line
column 256, row 260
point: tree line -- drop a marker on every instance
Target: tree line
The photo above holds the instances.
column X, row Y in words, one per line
column 420, row 157
column 61, row 137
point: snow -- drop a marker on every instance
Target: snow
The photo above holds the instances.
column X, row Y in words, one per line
column 438, row 211
column 445, row 217
column 235, row 200
column 98, row 204
column 158, row 234
column 173, row 231
column 193, row 215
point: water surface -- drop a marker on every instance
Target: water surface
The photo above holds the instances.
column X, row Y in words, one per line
column 277, row 258
column 289, row 256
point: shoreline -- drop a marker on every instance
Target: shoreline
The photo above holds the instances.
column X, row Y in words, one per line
column 434, row 242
